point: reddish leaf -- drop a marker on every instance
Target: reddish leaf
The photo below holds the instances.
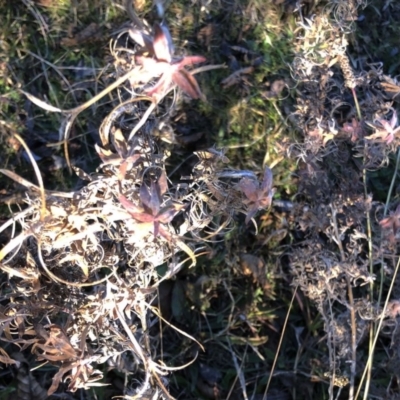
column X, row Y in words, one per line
column 149, row 215
column 135, row 211
column 191, row 60
column 171, row 70
column 187, row 83
column 160, row 88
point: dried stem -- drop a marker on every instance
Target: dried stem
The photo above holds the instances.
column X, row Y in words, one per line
column 352, row 311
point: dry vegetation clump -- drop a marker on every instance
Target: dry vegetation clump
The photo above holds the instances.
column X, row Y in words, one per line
column 156, row 265
column 347, row 253
column 82, row 265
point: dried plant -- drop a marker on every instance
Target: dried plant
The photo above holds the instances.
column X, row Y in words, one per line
column 85, row 267
column 331, row 265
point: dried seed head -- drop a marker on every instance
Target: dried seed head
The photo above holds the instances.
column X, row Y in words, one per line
column 349, row 78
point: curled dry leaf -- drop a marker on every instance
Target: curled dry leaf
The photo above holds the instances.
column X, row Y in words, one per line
column 391, row 87
column 56, row 346
column 127, row 155
column 386, row 131
column 41, row 103
column 6, row 359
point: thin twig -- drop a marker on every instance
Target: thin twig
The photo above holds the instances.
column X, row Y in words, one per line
column 382, row 316
column 239, row 372
column 38, row 175
column 279, row 344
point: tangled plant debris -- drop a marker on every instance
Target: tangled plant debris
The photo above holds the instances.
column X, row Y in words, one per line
column 336, row 264
column 161, row 264
column 83, row 269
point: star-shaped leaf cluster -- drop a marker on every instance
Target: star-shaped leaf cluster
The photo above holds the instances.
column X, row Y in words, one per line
column 150, row 215
column 386, row 131
column 159, row 61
